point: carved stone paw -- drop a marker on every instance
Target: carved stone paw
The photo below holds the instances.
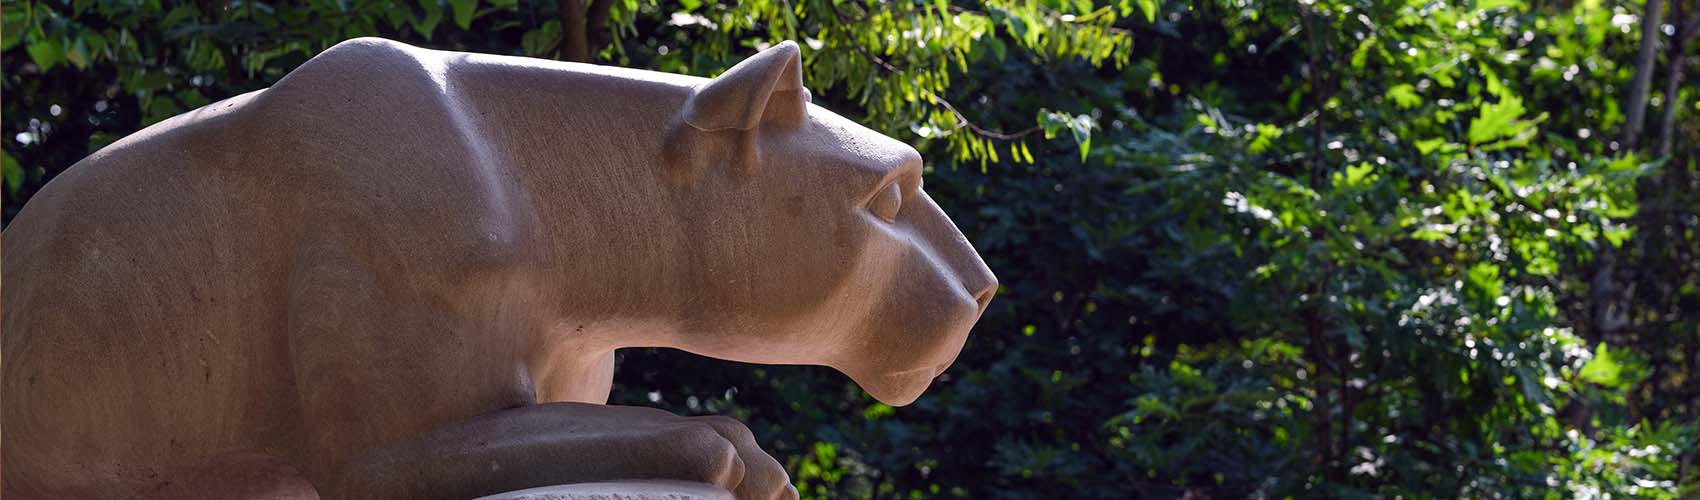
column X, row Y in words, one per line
column 563, row 444
column 619, row 490
column 728, row 452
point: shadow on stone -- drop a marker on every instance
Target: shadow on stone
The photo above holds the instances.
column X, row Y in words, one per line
column 619, row 490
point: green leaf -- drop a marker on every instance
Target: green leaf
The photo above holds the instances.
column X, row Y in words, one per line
column 1428, row 233
column 1497, row 120
column 1614, row 368
column 1266, row 135
column 999, row 49
column 1494, row 87
column 877, row 411
column 1487, row 5
column 45, row 53
column 1482, row 283
column 1052, row 122
column 1361, row 55
column 427, row 24
column 177, row 15
column 462, row 12
column 1427, row 146
column 78, row 55
column 1405, row 96
column 12, row 28
column 1149, row 7
column 1354, row 176
column 1152, row 406
column 1616, row 234
column 1081, row 128
column 13, row 173
column 397, row 14
column 538, row 41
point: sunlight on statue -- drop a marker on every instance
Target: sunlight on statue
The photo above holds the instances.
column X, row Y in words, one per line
column 403, row 273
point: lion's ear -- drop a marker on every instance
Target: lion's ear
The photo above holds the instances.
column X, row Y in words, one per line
column 765, row 88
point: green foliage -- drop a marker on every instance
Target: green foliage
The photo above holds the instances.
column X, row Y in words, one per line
column 1262, row 249
column 1614, row 368
column 896, row 61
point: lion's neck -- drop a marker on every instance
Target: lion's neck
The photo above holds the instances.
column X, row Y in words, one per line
column 583, row 144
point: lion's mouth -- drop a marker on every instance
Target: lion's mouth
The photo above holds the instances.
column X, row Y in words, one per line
column 899, row 388
column 939, row 370
column 907, row 373
column 931, row 371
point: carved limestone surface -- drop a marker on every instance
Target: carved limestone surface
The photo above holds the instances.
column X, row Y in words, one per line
column 620, row 490
column 403, row 273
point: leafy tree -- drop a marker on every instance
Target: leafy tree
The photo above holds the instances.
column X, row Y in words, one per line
column 114, row 66
column 1337, row 248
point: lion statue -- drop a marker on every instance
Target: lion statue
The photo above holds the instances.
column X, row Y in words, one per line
column 403, row 273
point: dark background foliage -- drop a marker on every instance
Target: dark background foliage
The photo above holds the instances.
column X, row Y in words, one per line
column 1340, row 248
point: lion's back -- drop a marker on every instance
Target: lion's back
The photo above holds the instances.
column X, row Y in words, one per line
column 147, row 287
column 139, row 306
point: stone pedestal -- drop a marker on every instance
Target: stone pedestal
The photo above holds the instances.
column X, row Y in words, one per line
column 620, row 490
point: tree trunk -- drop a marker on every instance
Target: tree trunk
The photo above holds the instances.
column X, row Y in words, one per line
column 1606, row 302
column 583, row 31
column 574, row 46
column 1636, row 107
column 1678, row 62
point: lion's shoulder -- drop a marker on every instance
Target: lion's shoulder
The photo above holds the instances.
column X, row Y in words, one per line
column 363, row 70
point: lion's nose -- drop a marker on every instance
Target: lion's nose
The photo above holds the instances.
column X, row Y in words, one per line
column 973, row 272
column 976, row 278
column 984, row 296
column 954, row 251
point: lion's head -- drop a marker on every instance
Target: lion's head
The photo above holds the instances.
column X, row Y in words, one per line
column 810, row 239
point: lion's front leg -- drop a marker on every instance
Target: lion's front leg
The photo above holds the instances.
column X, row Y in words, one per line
column 383, row 351
column 564, row 443
column 412, row 390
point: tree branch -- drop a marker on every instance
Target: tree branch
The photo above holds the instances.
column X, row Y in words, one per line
column 1690, row 28
column 961, row 120
column 1330, row 453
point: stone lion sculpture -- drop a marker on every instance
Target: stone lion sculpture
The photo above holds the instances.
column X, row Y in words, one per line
column 403, row 273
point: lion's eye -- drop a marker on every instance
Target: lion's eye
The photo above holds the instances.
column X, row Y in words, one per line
column 886, row 203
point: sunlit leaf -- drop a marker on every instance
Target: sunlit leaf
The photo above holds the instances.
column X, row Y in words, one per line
column 1149, row 7
column 1497, row 120
column 1404, row 95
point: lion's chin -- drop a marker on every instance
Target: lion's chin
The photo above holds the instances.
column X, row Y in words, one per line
column 897, row 388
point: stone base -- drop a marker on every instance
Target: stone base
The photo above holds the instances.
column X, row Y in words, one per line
column 620, row 490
